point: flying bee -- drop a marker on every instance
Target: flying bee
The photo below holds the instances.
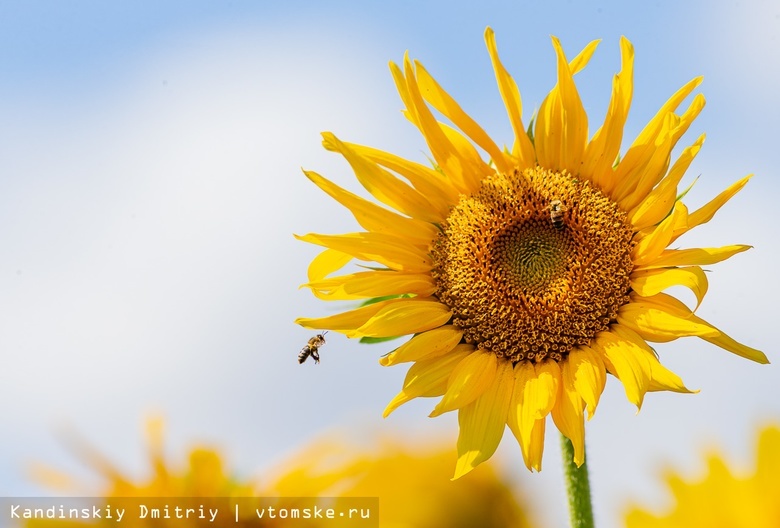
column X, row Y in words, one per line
column 312, row 348
column 556, row 213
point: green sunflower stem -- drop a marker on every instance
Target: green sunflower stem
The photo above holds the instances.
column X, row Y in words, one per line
column 577, row 488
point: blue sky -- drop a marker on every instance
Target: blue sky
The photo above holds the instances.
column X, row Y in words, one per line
column 150, row 183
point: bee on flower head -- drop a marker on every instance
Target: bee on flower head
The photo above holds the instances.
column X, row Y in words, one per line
column 556, row 213
column 312, row 348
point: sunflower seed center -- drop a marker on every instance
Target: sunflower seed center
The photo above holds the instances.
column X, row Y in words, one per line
column 534, row 264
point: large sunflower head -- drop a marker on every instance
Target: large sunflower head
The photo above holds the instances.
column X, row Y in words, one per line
column 724, row 497
column 524, row 274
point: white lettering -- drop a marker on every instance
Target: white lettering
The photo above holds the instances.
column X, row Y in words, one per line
column 61, row 512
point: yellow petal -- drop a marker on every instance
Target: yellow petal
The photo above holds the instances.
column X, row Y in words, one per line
column 649, row 282
column 661, row 378
column 529, row 436
column 468, row 381
column 562, row 124
column 431, row 184
column 464, row 176
column 681, row 221
column 645, row 145
column 394, row 317
column 523, row 372
column 482, row 422
column 652, row 169
column 693, row 256
column 392, row 251
column 536, row 387
column 444, row 103
column 689, row 116
column 705, row 213
column 665, row 302
column 346, row 322
column 587, row 374
column 533, row 457
column 372, row 217
column 727, row 343
column 582, row 59
column 403, row 91
column 539, row 391
column 676, row 308
column 569, row 417
column 524, row 149
column 425, row 345
column 651, row 246
column 467, row 151
column 428, row 377
column 661, row 199
column 768, row 457
column 403, row 318
column 649, row 169
column 369, row 284
column 604, row 147
column 631, row 365
column 327, row 262
column 381, row 184
column 656, row 323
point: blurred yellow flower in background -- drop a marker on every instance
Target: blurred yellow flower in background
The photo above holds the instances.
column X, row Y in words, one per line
column 526, row 274
column 414, row 488
column 202, row 479
column 723, row 498
column 204, row 475
column 414, row 491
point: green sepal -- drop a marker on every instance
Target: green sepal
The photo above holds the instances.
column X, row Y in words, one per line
column 375, row 300
column 530, row 130
column 373, row 340
column 682, row 194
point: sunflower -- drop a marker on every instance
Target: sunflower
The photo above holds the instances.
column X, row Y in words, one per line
column 203, row 475
column 524, row 275
column 337, row 467
column 202, row 481
column 332, row 468
column 723, row 498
